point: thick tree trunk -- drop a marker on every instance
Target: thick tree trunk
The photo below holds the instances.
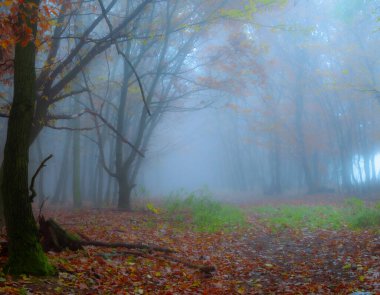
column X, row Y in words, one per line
column 124, row 200
column 25, row 252
column 2, row 220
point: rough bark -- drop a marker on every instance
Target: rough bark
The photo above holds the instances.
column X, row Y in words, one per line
column 2, row 220
column 125, row 190
column 26, row 255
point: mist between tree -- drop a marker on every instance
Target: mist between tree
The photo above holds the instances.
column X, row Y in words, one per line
column 282, row 102
column 239, row 142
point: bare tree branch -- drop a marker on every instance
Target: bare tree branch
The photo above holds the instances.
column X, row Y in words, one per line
column 69, row 128
column 51, row 117
column 119, row 51
column 123, row 139
column 31, row 188
column 63, row 96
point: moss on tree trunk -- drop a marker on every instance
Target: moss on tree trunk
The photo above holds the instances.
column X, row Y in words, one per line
column 25, row 252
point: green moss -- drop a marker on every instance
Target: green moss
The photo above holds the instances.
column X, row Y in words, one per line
column 32, row 261
column 73, row 236
column 26, row 255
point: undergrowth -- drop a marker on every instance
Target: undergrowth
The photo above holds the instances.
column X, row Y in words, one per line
column 203, row 213
column 354, row 213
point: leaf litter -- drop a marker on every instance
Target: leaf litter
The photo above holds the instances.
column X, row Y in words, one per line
column 253, row 259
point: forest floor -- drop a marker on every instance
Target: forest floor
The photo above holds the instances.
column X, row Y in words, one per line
column 254, row 258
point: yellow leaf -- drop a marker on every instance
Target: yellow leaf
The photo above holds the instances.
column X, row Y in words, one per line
column 4, row 44
column 196, row 284
column 347, row 266
column 8, row 2
column 268, row 265
column 153, row 209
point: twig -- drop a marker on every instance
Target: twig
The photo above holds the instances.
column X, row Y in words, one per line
column 31, row 188
column 125, row 57
column 41, row 206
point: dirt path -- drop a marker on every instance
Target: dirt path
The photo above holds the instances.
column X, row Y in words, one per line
column 321, row 261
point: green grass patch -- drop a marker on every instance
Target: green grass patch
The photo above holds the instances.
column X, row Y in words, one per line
column 204, row 213
column 293, row 216
column 354, row 213
column 359, row 215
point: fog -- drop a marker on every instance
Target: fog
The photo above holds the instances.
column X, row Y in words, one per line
column 247, row 99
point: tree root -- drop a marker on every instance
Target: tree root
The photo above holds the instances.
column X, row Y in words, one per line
column 55, row 238
column 126, row 245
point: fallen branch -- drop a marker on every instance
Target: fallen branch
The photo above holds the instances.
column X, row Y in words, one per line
column 206, row 270
column 126, row 245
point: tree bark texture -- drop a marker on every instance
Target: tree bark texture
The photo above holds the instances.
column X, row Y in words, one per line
column 25, row 252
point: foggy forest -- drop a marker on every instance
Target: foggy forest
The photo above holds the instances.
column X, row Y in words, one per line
column 190, row 147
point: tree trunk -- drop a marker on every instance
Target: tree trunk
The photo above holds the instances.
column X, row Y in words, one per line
column 301, row 146
column 124, row 200
column 77, row 200
column 2, row 220
column 25, row 252
column 59, row 192
column 275, row 160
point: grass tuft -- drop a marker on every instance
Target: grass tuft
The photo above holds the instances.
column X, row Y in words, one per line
column 354, row 214
column 362, row 216
column 204, row 213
